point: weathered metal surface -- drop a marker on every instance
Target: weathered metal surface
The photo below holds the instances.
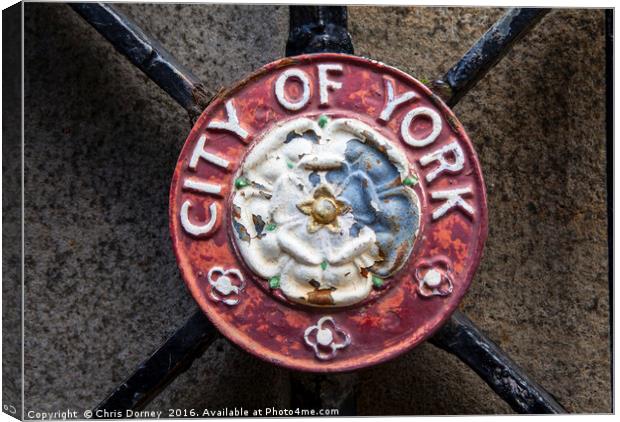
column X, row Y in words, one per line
column 318, row 29
column 464, row 340
column 486, row 52
column 172, row 358
column 147, row 54
column 308, row 197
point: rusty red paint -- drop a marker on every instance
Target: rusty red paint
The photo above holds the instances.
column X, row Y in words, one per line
column 393, row 318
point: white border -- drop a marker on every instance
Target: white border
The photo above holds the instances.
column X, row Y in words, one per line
column 480, row 3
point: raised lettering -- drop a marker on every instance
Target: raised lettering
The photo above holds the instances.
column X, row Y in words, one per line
column 199, row 152
column 441, row 155
column 232, row 123
column 452, row 200
column 420, row 111
column 393, row 102
column 198, row 230
column 197, row 185
column 327, row 84
column 305, row 94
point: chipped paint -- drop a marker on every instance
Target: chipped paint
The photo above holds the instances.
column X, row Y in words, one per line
column 339, row 206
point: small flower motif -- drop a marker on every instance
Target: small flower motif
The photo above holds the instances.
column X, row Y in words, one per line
column 223, row 287
column 325, row 338
column 434, row 277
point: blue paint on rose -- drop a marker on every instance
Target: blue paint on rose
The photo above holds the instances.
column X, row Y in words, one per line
column 371, row 185
column 314, row 178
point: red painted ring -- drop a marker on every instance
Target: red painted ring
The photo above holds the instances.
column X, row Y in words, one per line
column 395, row 320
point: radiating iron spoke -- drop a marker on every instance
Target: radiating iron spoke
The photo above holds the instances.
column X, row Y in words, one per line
column 463, row 339
column 318, row 29
column 322, row 391
column 171, row 359
column 147, row 54
column 486, row 52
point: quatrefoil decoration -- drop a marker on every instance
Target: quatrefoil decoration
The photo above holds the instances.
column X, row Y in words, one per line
column 434, row 277
column 223, row 287
column 325, row 338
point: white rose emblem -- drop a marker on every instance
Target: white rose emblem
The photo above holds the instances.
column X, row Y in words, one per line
column 324, row 210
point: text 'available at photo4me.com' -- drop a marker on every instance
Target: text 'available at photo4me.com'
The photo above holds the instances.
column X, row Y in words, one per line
column 68, row 414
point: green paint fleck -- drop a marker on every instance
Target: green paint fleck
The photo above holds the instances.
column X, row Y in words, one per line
column 377, row 281
column 424, row 81
column 241, row 182
column 324, row 265
column 411, row 180
column 271, row 227
column 274, row 282
column 290, row 165
column 323, row 121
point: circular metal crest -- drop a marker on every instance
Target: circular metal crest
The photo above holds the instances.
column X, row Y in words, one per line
column 328, row 212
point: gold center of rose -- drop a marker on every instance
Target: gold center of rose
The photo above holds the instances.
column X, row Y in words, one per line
column 323, row 209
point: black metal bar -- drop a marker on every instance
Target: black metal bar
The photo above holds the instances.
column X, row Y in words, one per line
column 609, row 150
column 321, row 29
column 318, row 29
column 147, row 54
column 172, row 358
column 486, row 52
column 334, row 392
column 463, row 339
